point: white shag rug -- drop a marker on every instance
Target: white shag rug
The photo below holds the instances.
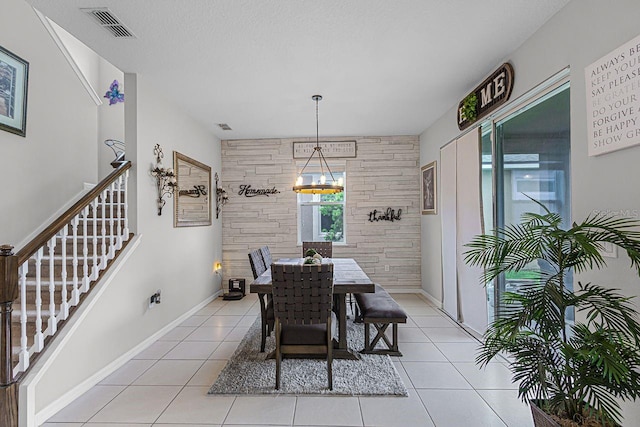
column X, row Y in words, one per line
column 250, row 372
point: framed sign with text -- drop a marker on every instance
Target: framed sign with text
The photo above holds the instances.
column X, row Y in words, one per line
column 613, row 102
column 192, row 201
column 330, row 149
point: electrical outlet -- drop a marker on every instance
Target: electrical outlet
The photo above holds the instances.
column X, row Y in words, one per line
column 386, row 267
column 155, row 299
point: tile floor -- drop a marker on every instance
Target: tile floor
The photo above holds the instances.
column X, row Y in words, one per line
column 166, row 384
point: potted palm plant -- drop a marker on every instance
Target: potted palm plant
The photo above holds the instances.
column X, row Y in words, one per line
column 576, row 372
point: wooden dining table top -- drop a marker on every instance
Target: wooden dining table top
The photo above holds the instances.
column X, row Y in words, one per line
column 348, row 277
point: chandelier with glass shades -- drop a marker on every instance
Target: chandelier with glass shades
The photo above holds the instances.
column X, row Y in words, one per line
column 322, row 186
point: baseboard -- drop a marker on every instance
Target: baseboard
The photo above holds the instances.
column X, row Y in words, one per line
column 431, row 299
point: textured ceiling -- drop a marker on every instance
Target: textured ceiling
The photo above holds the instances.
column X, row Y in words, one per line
column 384, row 67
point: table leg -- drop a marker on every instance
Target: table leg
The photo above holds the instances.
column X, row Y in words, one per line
column 341, row 349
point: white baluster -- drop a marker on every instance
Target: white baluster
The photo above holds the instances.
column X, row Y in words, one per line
column 23, row 363
column 126, row 206
column 38, row 343
column 112, row 232
column 75, row 293
column 119, row 214
column 53, row 324
column 86, row 278
column 64, row 303
column 96, row 266
column 103, row 263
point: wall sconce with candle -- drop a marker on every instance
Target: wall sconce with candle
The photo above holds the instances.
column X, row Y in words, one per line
column 166, row 182
column 221, row 196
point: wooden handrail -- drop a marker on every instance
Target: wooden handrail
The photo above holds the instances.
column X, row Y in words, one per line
column 41, row 239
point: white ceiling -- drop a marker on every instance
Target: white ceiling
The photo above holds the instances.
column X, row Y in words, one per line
column 384, row 67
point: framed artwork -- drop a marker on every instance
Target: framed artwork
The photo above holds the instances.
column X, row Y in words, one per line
column 192, row 201
column 428, row 185
column 14, row 75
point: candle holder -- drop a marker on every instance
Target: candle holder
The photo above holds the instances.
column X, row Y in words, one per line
column 166, row 183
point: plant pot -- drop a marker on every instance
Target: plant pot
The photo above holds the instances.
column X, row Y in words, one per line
column 541, row 418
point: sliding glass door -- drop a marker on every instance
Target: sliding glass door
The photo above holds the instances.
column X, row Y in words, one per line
column 526, row 155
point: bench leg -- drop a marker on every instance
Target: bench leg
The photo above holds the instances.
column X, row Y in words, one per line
column 392, row 347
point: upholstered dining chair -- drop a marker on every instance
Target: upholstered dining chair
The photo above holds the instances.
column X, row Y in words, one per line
column 302, row 302
column 266, row 307
column 325, row 249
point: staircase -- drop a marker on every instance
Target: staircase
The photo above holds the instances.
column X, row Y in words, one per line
column 44, row 283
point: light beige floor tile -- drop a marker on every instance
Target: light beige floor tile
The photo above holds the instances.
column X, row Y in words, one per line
column 209, row 333
column 62, row 425
column 237, row 334
column 170, row 372
column 219, row 320
column 492, row 376
column 195, row 320
column 117, row 425
column 128, row 372
column 225, row 350
column 448, row 335
column 262, row 410
column 86, row 406
column 434, row 322
column 403, row 375
column 440, row 375
column 137, row 404
column 513, row 411
column 420, row 352
column 156, row 350
column 410, row 324
column 209, row 310
column 247, row 320
column 254, row 310
column 178, row 333
column 459, row 408
column 234, row 309
column 394, row 411
column 425, row 310
column 190, row 425
column 459, row 351
column 328, row 411
column 208, row 373
column 193, row 405
column 193, row 350
column 407, row 335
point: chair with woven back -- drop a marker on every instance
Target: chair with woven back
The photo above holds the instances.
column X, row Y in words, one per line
column 266, row 255
column 325, row 249
column 302, row 302
column 266, row 307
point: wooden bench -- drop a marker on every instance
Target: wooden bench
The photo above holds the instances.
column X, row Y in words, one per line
column 380, row 310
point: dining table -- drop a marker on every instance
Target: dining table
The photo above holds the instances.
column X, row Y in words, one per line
column 348, row 278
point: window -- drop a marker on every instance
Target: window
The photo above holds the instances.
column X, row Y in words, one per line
column 321, row 216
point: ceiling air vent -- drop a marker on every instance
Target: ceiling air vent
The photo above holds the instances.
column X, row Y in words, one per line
column 107, row 20
column 224, row 126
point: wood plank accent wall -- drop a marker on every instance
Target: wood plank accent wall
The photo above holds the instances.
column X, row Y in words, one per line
column 384, row 174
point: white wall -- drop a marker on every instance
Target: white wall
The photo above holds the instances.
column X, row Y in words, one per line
column 179, row 261
column 579, row 34
column 43, row 171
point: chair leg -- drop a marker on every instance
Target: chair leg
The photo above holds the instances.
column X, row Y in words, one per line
column 278, row 354
column 329, row 355
column 263, row 318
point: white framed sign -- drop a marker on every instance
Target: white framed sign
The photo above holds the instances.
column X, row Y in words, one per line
column 330, row 149
column 613, row 100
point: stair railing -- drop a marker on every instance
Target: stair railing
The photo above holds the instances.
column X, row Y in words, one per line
column 91, row 246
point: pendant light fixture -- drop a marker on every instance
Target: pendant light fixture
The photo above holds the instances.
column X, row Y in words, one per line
column 321, row 187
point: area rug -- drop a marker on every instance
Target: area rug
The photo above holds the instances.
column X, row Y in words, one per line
column 250, row 372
